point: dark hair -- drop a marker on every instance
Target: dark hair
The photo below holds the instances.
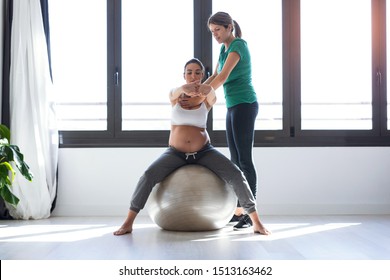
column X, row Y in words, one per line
column 197, row 61
column 224, row 19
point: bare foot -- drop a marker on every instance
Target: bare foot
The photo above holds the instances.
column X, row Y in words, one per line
column 123, row 230
column 261, row 229
column 127, row 226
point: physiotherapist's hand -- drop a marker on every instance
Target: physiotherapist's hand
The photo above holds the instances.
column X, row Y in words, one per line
column 191, row 89
column 204, row 89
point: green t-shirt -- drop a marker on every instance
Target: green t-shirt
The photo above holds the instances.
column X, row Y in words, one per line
column 238, row 87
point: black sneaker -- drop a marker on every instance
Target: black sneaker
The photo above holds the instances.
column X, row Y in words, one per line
column 236, row 218
column 244, row 223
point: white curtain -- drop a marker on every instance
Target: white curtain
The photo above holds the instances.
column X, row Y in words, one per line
column 32, row 119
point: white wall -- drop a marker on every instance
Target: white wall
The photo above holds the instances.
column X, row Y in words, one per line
column 302, row 181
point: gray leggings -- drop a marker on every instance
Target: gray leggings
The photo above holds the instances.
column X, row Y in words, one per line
column 208, row 157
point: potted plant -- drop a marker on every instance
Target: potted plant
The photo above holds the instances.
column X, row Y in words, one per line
column 8, row 154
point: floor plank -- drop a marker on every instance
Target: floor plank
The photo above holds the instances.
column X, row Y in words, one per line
column 294, row 238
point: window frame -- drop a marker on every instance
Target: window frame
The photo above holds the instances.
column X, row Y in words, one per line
column 291, row 135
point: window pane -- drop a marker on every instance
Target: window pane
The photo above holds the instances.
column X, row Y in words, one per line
column 261, row 26
column 157, row 40
column 79, row 61
column 336, row 64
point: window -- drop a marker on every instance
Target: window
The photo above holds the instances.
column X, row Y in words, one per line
column 319, row 69
column 155, row 46
column 336, row 85
column 262, row 30
column 79, row 62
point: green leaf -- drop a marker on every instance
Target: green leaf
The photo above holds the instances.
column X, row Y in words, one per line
column 8, row 196
column 20, row 164
column 8, row 154
column 4, row 132
column 5, row 169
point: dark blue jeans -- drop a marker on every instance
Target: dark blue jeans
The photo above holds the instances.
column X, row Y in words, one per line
column 240, row 132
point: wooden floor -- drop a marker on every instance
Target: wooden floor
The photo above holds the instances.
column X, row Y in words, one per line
column 294, row 238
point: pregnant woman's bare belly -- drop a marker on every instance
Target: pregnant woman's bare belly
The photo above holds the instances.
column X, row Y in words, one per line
column 187, row 139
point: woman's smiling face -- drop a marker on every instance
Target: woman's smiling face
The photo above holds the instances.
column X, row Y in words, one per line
column 193, row 72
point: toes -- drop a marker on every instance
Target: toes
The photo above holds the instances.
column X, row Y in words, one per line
column 121, row 231
column 263, row 231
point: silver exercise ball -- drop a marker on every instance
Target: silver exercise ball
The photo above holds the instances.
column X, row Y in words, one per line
column 192, row 198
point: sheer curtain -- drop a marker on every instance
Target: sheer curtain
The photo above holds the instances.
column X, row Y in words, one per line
column 32, row 116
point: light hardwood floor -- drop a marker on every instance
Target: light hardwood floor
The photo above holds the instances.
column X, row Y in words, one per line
column 294, row 238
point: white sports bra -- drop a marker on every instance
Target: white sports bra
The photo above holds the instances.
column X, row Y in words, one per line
column 194, row 117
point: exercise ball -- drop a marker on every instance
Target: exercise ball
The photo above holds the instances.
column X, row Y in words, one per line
column 192, row 198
